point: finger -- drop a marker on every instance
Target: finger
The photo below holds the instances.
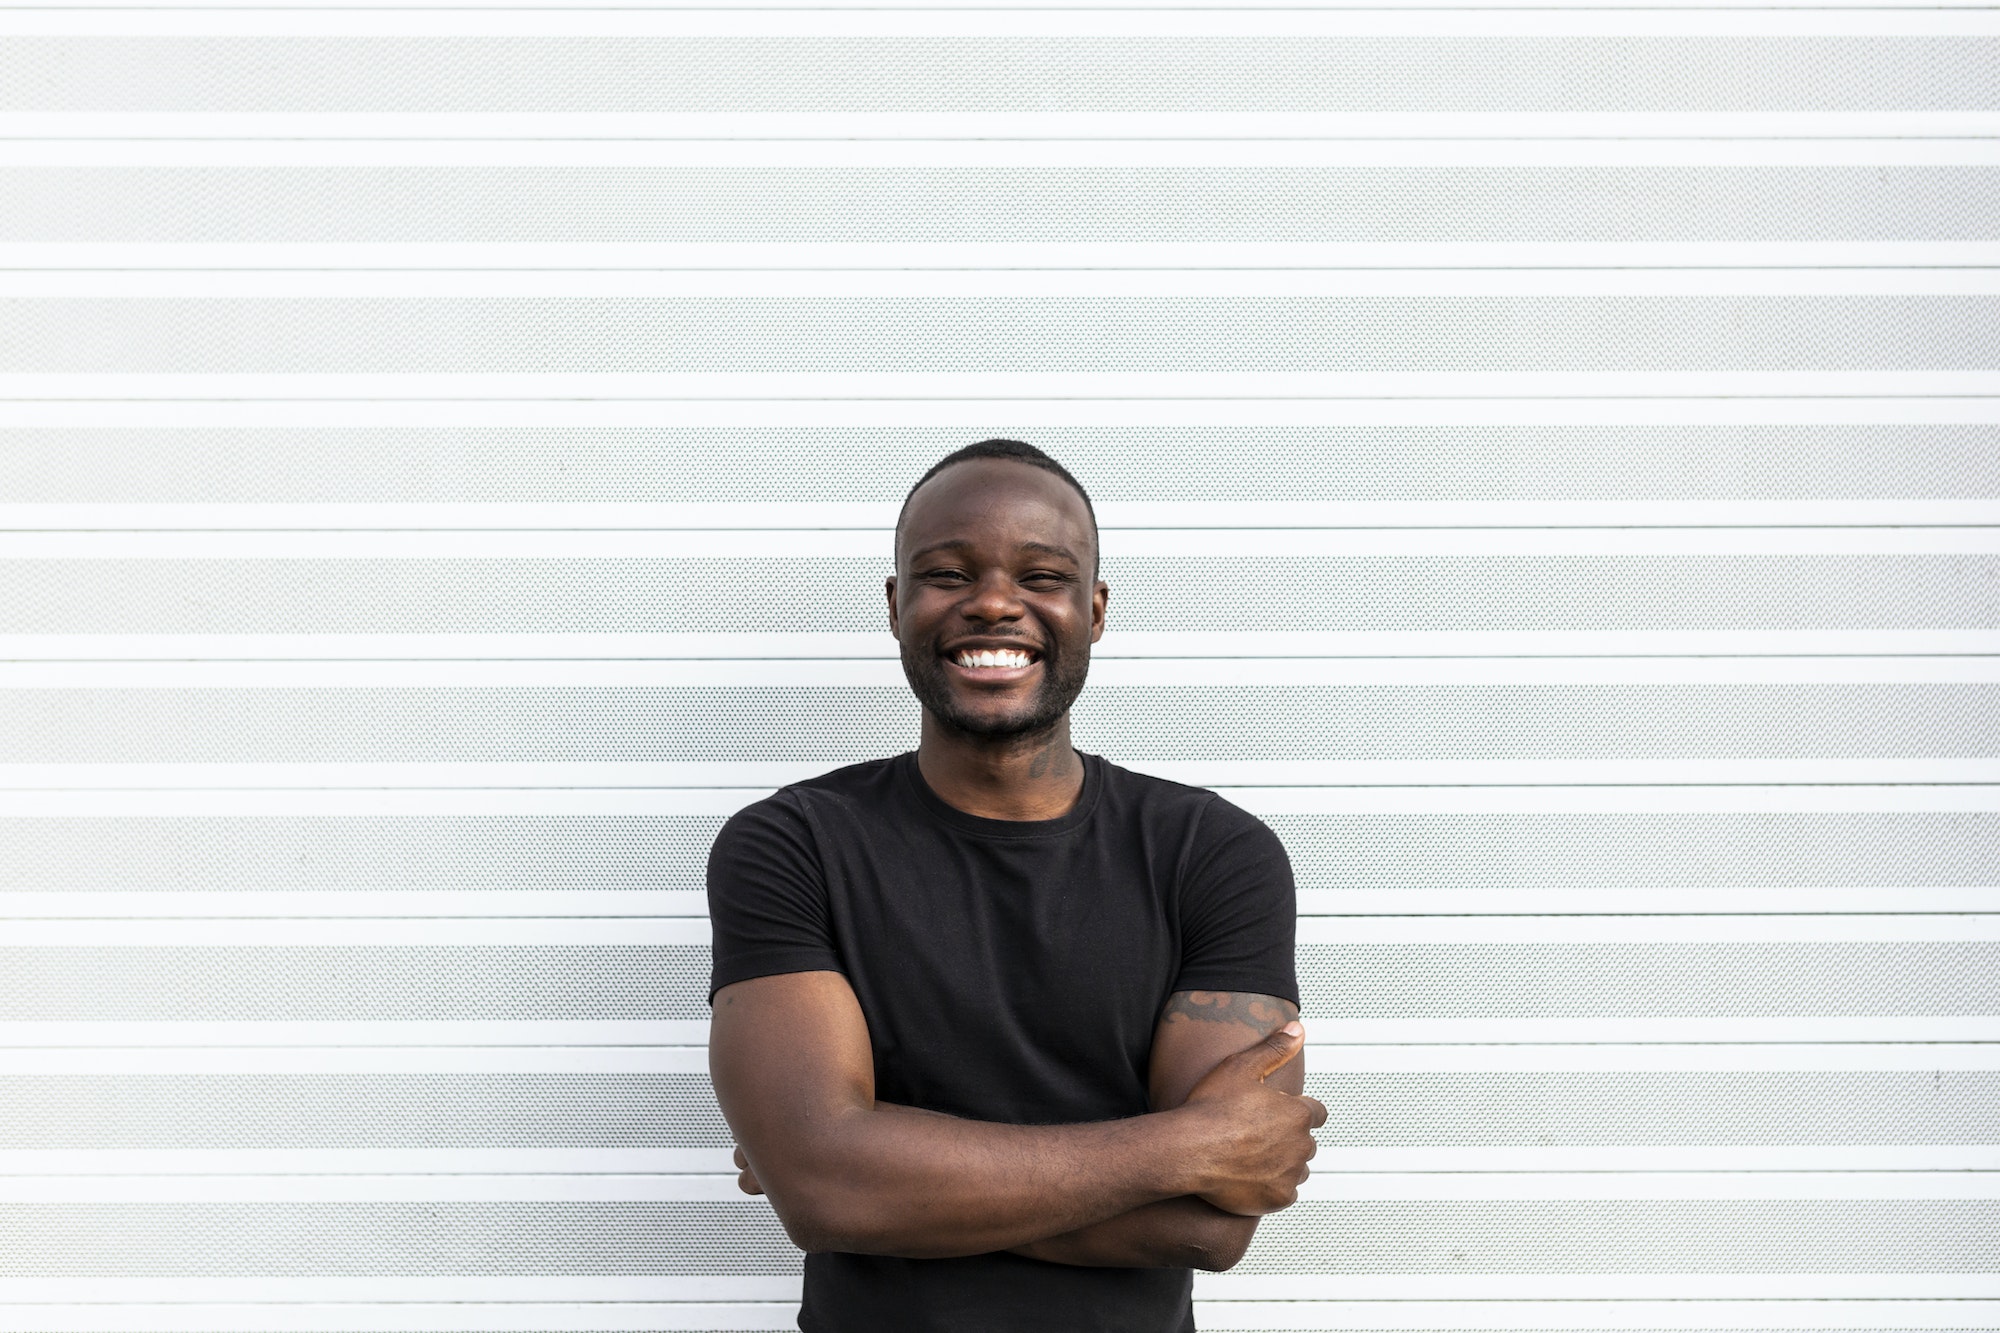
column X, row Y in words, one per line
column 1318, row 1112
column 1270, row 1055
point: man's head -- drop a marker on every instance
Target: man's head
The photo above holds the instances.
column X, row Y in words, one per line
column 996, row 599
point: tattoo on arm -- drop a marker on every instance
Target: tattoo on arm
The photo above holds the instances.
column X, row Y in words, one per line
column 1262, row 1012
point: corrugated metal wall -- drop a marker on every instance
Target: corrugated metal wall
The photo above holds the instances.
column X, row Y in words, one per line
column 1550, row 461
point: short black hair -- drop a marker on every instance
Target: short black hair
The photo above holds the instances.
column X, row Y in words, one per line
column 1019, row 452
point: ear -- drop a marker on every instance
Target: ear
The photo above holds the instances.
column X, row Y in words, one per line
column 889, row 586
column 1100, row 597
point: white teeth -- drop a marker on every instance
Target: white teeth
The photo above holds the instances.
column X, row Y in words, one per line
column 993, row 657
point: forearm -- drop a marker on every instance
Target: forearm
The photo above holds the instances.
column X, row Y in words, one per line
column 1186, row 1232
column 884, row 1180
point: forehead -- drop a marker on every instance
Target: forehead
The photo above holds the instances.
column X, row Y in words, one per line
column 996, row 502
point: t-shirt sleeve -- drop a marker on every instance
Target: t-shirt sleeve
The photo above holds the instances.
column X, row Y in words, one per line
column 767, row 900
column 1239, row 911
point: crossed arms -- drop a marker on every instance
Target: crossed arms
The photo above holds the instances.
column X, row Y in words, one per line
column 1227, row 1141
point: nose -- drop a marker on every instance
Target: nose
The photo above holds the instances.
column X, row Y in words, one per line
column 993, row 599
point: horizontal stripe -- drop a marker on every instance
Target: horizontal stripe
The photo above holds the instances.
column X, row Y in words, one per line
column 276, row 1034
column 395, row 932
column 306, row 1291
column 880, row 516
column 761, row 777
column 238, row 144
column 997, row 214
column 1605, row 1287
column 471, row 1316
column 475, row 1316
column 985, row 283
column 965, row 388
column 1052, row 124
column 266, row 1033
column 1241, row 735
column 1600, row 1315
column 223, row 799
column 1152, row 474
column 596, row 412
column 1121, row 672
column 1652, row 1172
column 1323, row 1187
column 1082, row 344
column 837, row 21
column 1324, row 1057
column 1129, row 543
column 1117, row 645
column 104, row 904
column 449, row 256
column 1030, row 65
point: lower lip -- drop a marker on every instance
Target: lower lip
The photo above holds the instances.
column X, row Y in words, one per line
column 993, row 675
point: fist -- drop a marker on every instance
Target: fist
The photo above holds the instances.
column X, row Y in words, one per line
column 1254, row 1140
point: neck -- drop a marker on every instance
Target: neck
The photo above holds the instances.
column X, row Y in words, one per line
column 1036, row 776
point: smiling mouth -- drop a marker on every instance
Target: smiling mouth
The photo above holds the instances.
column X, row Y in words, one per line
column 994, row 659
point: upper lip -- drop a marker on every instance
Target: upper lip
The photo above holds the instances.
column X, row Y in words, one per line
column 1003, row 644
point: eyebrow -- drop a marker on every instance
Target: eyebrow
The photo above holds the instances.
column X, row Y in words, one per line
column 1040, row 548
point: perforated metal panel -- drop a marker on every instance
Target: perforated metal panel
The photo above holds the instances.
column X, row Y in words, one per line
column 358, row 336
column 1631, row 1236
column 603, row 1111
column 1608, row 592
column 398, row 1111
column 1725, row 270
column 626, row 982
column 392, row 1239
column 1599, row 722
column 640, row 852
column 1641, row 461
column 628, row 204
column 1130, row 72
column 1576, row 592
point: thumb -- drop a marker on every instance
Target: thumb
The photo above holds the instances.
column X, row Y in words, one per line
column 1270, row 1055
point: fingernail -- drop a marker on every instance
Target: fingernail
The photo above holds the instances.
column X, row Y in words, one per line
column 1292, row 1029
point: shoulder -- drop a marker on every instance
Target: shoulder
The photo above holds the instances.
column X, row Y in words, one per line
column 1209, row 819
column 792, row 808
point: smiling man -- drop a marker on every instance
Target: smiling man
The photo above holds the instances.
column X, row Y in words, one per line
column 1006, row 1032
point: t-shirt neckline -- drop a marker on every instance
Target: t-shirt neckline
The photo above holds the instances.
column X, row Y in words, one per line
column 945, row 812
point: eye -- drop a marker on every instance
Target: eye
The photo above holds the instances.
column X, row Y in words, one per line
column 1045, row 578
column 943, row 575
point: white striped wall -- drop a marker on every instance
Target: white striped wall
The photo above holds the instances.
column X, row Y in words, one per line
column 1549, row 461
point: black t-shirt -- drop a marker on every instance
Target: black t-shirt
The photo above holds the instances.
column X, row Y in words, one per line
column 1009, row 971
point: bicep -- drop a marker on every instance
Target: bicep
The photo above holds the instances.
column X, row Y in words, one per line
column 787, row 1054
column 1199, row 1029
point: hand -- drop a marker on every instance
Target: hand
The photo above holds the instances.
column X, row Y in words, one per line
column 746, row 1180
column 1253, row 1141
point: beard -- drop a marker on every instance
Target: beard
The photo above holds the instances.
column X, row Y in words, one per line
column 1062, row 680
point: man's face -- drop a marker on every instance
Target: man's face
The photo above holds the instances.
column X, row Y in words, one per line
column 996, row 599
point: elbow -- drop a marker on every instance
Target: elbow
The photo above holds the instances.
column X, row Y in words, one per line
column 1221, row 1244
column 811, row 1223
column 824, row 1218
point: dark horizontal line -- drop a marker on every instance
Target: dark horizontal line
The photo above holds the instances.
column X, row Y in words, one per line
column 1028, row 138
column 1100, row 657
column 1003, row 268
column 1038, row 398
column 696, row 1046
column 444, row 530
column 1061, row 9
column 1219, row 785
column 205, row 917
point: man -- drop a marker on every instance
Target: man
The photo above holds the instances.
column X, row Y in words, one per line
column 1007, row 1033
